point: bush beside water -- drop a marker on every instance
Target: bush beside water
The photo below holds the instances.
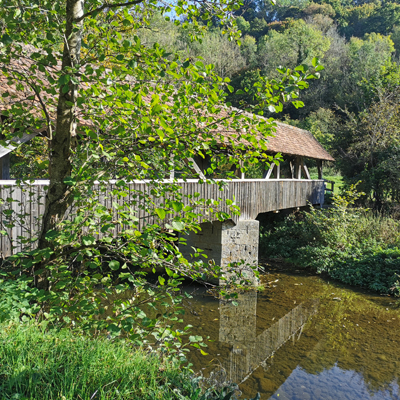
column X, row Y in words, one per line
column 350, row 244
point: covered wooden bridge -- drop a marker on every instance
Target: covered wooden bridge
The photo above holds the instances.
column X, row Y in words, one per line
column 284, row 185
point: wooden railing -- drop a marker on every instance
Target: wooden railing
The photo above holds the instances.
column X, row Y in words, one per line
column 329, row 189
column 252, row 196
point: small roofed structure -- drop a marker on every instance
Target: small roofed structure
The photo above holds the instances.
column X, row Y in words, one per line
column 294, row 141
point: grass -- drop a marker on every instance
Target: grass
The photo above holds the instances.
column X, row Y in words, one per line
column 58, row 365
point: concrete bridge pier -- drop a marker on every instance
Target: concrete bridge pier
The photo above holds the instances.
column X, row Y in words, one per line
column 232, row 246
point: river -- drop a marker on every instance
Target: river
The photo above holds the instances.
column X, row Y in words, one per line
column 300, row 338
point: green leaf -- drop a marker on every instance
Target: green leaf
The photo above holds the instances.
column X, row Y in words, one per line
column 195, row 339
column 114, row 265
column 70, row 181
column 6, row 39
column 178, row 225
column 88, row 240
column 177, row 206
column 64, row 79
column 161, row 213
column 161, row 280
column 114, row 330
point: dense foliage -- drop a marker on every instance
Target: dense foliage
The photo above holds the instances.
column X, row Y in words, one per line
column 351, row 245
column 352, row 109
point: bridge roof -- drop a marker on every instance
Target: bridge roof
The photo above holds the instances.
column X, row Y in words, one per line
column 288, row 140
column 297, row 142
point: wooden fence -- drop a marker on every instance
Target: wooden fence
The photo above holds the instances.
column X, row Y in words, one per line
column 22, row 207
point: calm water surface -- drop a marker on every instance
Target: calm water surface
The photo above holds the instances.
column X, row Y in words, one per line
column 301, row 338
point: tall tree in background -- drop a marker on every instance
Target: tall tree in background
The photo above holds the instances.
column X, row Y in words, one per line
column 372, row 152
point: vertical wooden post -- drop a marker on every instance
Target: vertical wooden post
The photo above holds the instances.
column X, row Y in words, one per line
column 241, row 172
column 5, row 167
column 319, row 167
column 238, row 171
column 299, row 161
column 292, row 166
column 172, row 171
column 278, row 171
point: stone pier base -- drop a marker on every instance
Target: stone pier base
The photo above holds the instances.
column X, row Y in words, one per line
column 226, row 243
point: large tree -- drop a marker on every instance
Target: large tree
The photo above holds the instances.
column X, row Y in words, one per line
column 115, row 109
column 369, row 146
column 66, row 53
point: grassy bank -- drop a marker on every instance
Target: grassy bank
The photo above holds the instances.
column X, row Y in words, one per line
column 352, row 245
column 58, row 365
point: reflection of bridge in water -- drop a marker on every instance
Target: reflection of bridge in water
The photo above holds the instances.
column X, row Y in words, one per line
column 249, row 351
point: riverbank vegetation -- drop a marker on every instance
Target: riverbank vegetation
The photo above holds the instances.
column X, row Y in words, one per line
column 40, row 364
column 348, row 243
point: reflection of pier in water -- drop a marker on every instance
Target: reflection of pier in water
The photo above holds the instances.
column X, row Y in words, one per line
column 249, row 351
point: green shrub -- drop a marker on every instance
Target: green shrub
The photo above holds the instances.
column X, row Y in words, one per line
column 350, row 244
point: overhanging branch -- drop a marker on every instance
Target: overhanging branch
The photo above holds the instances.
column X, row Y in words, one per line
column 103, row 7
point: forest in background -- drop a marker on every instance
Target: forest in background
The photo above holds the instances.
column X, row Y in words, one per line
column 353, row 109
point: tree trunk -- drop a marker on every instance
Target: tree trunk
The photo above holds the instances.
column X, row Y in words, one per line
column 57, row 198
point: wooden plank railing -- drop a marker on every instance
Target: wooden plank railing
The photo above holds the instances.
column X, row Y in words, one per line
column 24, row 205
